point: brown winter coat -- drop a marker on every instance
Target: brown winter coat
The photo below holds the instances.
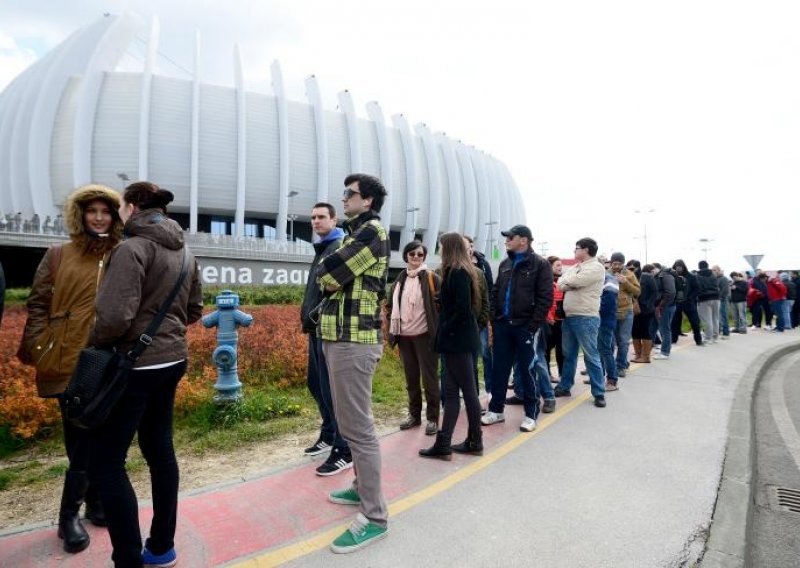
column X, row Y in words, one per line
column 140, row 274
column 628, row 290
column 61, row 302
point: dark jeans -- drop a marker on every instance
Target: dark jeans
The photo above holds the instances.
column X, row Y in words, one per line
column 319, row 385
column 554, row 342
column 458, row 376
column 690, row 309
column 513, row 344
column 76, row 442
column 145, row 408
column 759, row 307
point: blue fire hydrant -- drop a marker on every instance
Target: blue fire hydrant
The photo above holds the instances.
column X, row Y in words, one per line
column 227, row 318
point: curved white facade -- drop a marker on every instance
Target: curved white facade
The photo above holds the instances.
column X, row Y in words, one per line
column 71, row 119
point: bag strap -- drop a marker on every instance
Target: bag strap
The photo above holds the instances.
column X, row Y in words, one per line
column 55, row 261
column 147, row 337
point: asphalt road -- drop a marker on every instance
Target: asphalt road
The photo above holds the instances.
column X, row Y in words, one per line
column 774, row 538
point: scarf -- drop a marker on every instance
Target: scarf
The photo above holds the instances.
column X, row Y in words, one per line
column 413, row 296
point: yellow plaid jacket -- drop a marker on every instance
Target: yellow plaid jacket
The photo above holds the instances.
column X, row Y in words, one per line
column 358, row 269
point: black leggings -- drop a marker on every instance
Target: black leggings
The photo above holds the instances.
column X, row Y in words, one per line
column 641, row 326
column 145, row 407
column 458, row 375
column 554, row 342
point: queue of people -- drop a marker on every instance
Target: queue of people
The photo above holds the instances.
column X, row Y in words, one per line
column 103, row 286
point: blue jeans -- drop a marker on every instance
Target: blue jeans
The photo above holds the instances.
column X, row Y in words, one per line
column 581, row 331
column 787, row 313
column 622, row 338
column 486, row 353
column 605, row 346
column 778, row 307
column 538, row 368
column 513, row 344
column 723, row 317
column 740, row 315
column 319, row 384
column 665, row 329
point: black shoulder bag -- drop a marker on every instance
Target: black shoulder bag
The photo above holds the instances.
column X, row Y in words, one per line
column 101, row 375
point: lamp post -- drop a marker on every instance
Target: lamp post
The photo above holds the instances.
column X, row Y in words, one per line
column 490, row 237
column 413, row 211
column 291, row 216
column 543, row 247
column 705, row 245
column 644, row 213
column 123, row 178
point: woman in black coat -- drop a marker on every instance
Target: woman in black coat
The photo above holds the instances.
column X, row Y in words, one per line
column 457, row 339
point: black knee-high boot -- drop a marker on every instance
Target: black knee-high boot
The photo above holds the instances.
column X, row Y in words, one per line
column 69, row 522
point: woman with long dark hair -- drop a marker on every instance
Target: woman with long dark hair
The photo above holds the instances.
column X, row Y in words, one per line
column 457, row 339
column 60, row 315
column 141, row 274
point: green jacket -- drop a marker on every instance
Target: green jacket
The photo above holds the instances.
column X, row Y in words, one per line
column 358, row 270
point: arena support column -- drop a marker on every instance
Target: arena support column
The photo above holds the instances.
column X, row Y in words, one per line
column 283, row 151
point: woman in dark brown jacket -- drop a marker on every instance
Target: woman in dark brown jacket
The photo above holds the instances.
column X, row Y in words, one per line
column 412, row 326
column 140, row 275
column 60, row 316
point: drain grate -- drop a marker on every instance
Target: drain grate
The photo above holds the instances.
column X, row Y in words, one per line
column 788, row 499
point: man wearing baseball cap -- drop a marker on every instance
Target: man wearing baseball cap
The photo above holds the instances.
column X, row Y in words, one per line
column 521, row 297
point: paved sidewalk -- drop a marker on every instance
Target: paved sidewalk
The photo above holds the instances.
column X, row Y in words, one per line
column 630, row 485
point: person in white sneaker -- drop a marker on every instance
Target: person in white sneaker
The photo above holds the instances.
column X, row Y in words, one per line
column 520, row 300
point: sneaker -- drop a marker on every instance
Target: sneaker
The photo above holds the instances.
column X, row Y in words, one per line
column 549, row 405
column 558, row 391
column 347, row 496
column 361, row 533
column 319, row 447
column 587, row 381
column 431, row 428
column 600, row 401
column 584, row 372
column 514, row 400
column 555, row 380
column 660, row 356
column 410, row 422
column 337, row 462
column 528, row 425
column 150, row 560
column 621, row 373
column 611, row 386
column 492, row 418
column 725, row 337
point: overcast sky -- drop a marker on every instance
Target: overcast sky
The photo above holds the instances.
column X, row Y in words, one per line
column 599, row 109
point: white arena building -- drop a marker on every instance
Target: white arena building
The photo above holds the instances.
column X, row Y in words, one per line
column 245, row 167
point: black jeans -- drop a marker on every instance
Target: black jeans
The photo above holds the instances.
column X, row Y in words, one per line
column 76, row 442
column 554, row 342
column 146, row 407
column 690, row 309
column 458, row 376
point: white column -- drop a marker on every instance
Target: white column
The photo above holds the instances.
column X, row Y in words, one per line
column 412, row 190
column 455, row 189
column 241, row 128
column 484, row 199
column 315, row 100
column 470, row 190
column 147, row 96
column 349, row 110
column 283, row 153
column 434, row 184
column 375, row 114
column 195, row 152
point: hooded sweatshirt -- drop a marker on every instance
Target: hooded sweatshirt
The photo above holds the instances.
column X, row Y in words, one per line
column 140, row 275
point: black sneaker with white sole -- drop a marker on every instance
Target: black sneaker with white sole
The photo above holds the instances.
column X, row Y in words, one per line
column 339, row 461
column 319, row 447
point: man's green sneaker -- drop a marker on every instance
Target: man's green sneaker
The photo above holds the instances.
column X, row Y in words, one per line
column 347, row 496
column 361, row 533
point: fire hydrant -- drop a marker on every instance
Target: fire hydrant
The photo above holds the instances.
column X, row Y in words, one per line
column 227, row 318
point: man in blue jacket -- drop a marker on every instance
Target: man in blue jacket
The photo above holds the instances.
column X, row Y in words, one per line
column 323, row 223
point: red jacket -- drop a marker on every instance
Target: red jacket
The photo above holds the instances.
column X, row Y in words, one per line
column 776, row 290
column 558, row 296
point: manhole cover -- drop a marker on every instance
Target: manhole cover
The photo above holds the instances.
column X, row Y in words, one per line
column 788, row 499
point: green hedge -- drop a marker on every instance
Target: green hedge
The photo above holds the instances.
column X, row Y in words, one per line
column 258, row 295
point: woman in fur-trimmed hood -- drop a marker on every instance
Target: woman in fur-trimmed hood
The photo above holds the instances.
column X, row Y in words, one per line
column 61, row 312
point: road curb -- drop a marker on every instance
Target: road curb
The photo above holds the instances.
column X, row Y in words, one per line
column 730, row 523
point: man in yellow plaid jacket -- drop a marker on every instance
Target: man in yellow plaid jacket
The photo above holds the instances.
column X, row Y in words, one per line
column 353, row 279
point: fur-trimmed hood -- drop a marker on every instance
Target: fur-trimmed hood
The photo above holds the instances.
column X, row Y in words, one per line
column 73, row 212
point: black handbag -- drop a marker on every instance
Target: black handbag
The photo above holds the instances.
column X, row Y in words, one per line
column 101, row 374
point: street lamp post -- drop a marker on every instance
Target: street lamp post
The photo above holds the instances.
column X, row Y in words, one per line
column 644, row 213
column 123, row 178
column 705, row 246
column 413, row 211
column 543, row 247
column 291, row 216
column 490, row 238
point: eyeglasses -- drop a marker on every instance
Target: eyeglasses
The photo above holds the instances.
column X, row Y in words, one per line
column 416, row 254
column 579, row 248
column 348, row 193
column 510, row 237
